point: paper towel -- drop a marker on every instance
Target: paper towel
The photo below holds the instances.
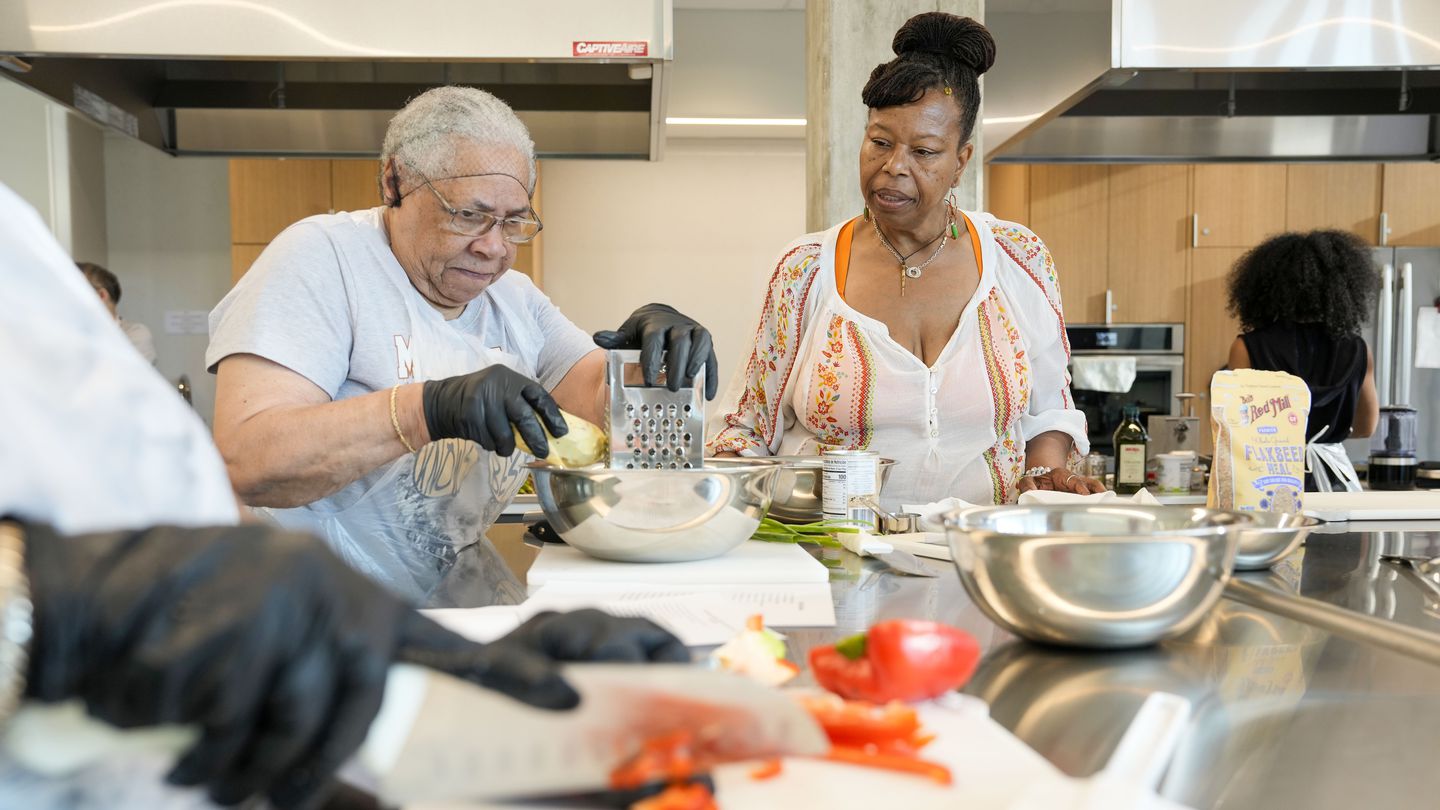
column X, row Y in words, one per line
column 1102, row 373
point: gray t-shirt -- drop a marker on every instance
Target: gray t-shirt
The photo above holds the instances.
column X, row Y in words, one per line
column 328, row 300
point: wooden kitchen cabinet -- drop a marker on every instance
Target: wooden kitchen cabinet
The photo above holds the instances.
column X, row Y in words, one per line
column 1209, row 329
column 1411, row 203
column 1343, row 196
column 1069, row 210
column 1149, row 243
column 1007, row 191
column 354, row 184
column 267, row 195
column 1238, row 204
column 241, row 257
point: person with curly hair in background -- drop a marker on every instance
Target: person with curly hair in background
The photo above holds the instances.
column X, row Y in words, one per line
column 1300, row 299
column 932, row 335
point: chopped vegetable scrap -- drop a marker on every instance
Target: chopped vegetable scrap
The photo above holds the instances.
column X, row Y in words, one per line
column 769, row 769
column 669, row 757
column 900, row 659
column 887, row 737
column 757, row 652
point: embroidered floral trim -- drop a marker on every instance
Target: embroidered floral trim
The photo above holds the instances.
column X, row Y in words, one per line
column 774, row 355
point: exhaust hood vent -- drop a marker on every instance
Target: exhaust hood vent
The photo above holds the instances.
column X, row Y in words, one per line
column 317, row 78
column 1225, row 80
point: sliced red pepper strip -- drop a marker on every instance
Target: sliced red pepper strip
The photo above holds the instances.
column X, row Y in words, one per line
column 852, row 755
column 669, row 757
column 769, row 769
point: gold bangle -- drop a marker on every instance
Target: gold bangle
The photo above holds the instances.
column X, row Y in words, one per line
column 395, row 421
column 16, row 619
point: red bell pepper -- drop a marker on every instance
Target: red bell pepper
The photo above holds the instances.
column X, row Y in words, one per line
column 900, row 659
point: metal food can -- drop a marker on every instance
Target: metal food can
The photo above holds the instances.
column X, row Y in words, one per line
column 847, row 474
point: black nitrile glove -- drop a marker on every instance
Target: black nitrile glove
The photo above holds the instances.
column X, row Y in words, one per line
column 482, row 406
column 269, row 644
column 663, row 334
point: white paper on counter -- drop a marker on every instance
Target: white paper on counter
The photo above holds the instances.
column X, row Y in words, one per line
column 782, row 605
column 1427, row 338
column 483, row 624
column 697, row 619
column 752, row 562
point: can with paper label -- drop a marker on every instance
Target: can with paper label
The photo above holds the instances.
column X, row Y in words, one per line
column 847, row 474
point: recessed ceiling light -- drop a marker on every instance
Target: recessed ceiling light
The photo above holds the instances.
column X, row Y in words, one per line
column 736, row 122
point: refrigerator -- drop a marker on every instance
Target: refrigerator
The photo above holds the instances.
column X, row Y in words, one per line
column 1409, row 280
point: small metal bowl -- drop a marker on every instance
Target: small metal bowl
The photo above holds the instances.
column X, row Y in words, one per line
column 1099, row 576
column 656, row 515
column 1273, row 538
column 798, row 488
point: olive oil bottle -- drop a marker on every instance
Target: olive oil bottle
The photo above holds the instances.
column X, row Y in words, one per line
column 1131, row 442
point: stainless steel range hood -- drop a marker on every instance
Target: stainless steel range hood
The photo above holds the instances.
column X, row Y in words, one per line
column 1220, row 80
column 323, row 77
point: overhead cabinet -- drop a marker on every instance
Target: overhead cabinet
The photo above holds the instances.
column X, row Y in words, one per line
column 1069, row 211
column 1237, row 204
column 1146, row 276
column 1343, row 196
column 1410, row 210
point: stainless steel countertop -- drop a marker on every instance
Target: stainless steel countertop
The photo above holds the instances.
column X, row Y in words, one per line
column 1284, row 715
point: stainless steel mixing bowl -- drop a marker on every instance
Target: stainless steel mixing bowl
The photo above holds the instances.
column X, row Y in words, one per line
column 798, row 488
column 656, row 515
column 1103, row 576
column 1273, row 537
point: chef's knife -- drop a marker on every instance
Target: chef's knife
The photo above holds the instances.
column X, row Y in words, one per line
column 438, row 738
column 868, row 545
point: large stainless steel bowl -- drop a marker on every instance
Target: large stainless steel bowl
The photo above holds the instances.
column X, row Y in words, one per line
column 656, row 515
column 1104, row 576
column 798, row 488
column 1273, row 537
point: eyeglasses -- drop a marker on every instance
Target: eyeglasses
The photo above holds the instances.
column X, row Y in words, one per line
column 472, row 223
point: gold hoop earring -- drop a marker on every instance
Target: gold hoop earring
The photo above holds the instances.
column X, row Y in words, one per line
column 866, row 213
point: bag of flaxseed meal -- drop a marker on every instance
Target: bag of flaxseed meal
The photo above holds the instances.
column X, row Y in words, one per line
column 1258, row 420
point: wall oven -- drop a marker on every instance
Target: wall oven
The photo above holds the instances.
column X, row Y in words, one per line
column 1155, row 352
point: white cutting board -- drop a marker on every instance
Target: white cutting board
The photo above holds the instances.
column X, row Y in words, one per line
column 753, row 562
column 1412, row 505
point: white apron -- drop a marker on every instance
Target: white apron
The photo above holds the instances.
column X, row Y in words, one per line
column 1320, row 458
column 407, row 529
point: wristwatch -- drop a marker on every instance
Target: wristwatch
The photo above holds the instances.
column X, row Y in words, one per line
column 1038, row 471
column 16, row 618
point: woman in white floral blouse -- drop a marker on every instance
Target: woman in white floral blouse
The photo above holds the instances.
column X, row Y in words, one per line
column 932, row 335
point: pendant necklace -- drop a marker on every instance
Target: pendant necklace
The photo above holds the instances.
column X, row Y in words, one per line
column 909, row 271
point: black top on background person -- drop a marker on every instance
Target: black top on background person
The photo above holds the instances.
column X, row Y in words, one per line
column 1301, row 299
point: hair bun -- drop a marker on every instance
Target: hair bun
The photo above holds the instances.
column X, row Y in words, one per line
column 948, row 36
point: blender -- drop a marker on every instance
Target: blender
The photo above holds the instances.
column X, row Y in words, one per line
column 1392, row 449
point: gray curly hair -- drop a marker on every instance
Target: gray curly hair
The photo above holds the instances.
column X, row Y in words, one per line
column 424, row 132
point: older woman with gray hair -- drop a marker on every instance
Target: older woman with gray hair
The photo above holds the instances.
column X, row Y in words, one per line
column 374, row 366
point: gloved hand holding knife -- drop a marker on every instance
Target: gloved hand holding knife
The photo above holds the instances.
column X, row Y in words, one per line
column 268, row 644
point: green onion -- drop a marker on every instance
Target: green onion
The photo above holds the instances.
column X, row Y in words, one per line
column 819, row 533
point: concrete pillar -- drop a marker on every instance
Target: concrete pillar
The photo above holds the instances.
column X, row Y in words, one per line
column 844, row 41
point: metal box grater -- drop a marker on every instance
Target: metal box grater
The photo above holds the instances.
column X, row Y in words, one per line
column 652, row 428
